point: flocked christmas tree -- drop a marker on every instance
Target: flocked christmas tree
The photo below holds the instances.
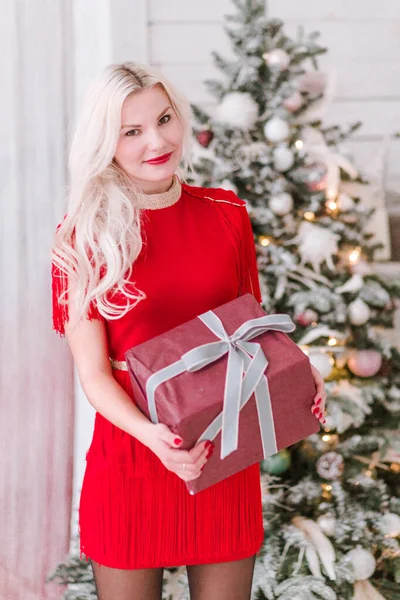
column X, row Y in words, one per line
column 331, row 503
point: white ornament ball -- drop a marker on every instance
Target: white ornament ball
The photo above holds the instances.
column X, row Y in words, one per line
column 278, row 58
column 327, row 524
column 283, row 158
column 238, row 110
column 229, row 185
column 276, row 130
column 321, row 362
column 364, row 363
column 359, row 312
column 281, row 204
column 390, row 524
column 363, row 563
column 345, row 203
column 294, row 102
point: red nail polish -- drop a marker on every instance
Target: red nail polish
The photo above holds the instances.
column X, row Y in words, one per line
column 177, row 441
column 210, row 451
column 208, row 444
column 315, row 409
column 318, row 401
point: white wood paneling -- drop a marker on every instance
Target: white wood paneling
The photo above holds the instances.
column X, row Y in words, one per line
column 190, row 12
column 208, row 10
column 129, row 29
column 36, row 393
column 357, row 10
column 359, row 41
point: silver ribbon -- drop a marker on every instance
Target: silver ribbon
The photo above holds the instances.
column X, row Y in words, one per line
column 245, row 375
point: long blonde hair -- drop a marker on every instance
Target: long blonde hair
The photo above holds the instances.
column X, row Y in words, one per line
column 100, row 238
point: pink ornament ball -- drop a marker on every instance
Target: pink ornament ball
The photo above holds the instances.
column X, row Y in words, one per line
column 364, row 363
column 294, row 102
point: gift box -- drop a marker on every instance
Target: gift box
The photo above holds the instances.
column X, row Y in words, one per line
column 231, row 375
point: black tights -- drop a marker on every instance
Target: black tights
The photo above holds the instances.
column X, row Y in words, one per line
column 219, row 581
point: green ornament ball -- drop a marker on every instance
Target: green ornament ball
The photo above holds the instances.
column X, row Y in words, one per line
column 277, row 463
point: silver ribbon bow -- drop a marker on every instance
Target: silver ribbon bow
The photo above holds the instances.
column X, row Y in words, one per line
column 245, row 374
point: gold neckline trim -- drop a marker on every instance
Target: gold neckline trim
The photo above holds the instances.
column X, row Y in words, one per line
column 163, row 200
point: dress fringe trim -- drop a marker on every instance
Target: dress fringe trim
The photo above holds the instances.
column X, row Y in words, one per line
column 198, row 529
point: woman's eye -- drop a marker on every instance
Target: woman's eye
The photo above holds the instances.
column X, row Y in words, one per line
column 131, row 133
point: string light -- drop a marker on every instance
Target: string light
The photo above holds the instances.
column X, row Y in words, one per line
column 264, row 240
column 354, row 256
column 332, row 341
column 309, row 216
column 299, row 144
column 330, row 441
column 326, row 491
column 332, row 206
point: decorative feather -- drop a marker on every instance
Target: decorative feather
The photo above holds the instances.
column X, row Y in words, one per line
column 320, row 542
column 313, row 562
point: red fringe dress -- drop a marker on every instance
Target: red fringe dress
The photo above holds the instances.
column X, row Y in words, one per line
column 197, row 254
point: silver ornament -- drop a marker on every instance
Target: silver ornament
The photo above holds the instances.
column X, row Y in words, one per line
column 363, row 563
column 359, row 312
column 238, row 110
column 330, row 465
column 277, row 58
column 283, row 158
column 281, row 204
column 389, row 523
column 276, row 130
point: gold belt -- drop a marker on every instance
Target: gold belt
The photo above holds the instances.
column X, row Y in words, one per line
column 118, row 365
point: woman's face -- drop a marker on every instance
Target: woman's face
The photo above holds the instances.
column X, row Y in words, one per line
column 150, row 128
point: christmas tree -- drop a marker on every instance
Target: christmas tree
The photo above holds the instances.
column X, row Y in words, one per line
column 331, row 503
column 333, row 516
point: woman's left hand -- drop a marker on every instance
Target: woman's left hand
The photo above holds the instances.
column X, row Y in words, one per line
column 318, row 407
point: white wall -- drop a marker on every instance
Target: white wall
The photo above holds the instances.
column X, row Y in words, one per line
column 36, row 393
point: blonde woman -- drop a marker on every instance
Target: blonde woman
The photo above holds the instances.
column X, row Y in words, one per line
column 140, row 252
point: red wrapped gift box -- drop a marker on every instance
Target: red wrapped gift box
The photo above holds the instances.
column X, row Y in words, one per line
column 230, row 375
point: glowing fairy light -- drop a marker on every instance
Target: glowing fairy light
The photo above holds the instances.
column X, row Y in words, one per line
column 264, row 240
column 332, row 206
column 354, row 256
column 309, row 216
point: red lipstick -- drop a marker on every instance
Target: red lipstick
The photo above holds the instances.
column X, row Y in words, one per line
column 160, row 159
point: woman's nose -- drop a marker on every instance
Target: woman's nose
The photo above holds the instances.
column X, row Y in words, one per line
column 155, row 140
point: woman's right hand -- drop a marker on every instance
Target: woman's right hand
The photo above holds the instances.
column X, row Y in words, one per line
column 165, row 444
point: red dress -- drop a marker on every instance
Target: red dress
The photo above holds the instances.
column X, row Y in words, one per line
column 198, row 253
